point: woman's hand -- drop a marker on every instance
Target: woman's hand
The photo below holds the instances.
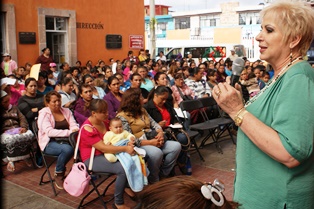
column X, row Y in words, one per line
column 132, row 141
column 160, row 139
column 34, row 109
column 162, row 123
column 130, row 149
column 228, row 98
column 23, row 130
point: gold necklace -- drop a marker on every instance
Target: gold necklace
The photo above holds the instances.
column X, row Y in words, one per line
column 269, row 84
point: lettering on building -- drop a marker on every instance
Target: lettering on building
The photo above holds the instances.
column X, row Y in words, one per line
column 95, row 26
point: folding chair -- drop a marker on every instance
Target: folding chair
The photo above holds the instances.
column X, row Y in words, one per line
column 190, row 105
column 224, row 123
column 44, row 156
column 73, row 139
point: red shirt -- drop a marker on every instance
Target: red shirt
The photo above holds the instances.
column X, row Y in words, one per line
column 165, row 115
column 88, row 139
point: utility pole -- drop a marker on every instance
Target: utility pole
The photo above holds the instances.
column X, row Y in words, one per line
column 152, row 24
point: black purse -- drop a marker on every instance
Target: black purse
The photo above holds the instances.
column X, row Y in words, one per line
column 60, row 140
column 184, row 97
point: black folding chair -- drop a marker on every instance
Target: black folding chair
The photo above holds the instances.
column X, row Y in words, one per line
column 190, row 105
column 47, row 165
column 103, row 175
column 223, row 123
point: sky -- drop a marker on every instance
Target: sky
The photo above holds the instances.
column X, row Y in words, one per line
column 187, row 5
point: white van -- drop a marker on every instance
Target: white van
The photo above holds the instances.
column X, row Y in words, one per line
column 205, row 52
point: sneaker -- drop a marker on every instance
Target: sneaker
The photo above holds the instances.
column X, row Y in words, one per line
column 39, row 161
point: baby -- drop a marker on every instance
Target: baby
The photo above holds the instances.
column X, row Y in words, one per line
column 115, row 135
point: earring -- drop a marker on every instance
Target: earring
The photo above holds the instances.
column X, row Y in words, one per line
column 290, row 57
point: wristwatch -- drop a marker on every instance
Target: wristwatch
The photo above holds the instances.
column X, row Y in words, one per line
column 239, row 117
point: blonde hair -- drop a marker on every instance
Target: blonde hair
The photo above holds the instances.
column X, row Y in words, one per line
column 295, row 19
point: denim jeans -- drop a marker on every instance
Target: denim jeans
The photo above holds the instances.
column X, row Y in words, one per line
column 161, row 160
column 183, row 154
column 63, row 151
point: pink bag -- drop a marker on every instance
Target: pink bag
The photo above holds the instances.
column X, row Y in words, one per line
column 77, row 181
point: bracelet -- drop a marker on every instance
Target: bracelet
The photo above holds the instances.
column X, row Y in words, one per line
column 239, row 116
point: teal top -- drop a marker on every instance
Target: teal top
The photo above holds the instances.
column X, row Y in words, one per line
column 287, row 106
column 148, row 85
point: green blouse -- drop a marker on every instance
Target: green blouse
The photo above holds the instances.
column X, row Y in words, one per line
column 287, row 106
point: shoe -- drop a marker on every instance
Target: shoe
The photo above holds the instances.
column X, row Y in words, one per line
column 28, row 162
column 11, row 166
column 59, row 180
column 39, row 161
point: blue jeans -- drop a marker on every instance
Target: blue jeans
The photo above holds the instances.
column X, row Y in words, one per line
column 101, row 164
column 161, row 160
column 63, row 151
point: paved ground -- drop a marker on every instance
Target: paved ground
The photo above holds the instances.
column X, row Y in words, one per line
column 21, row 189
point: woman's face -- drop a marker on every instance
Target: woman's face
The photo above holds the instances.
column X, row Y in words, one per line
column 193, row 65
column 134, row 68
column 136, row 81
column 115, row 86
column 66, row 67
column 272, row 48
column 213, row 78
column 244, row 75
column 47, row 51
column 31, row 88
column 68, row 88
column 221, row 69
column 75, row 73
column 21, row 71
column 179, row 82
column 185, row 64
column 89, row 81
column 160, row 99
column 87, row 94
column 162, row 80
column 41, row 81
column 120, row 78
column 101, row 116
column 54, row 103
column 6, row 102
column 108, row 73
column 142, row 72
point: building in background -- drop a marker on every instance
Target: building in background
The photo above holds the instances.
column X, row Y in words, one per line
column 73, row 30
column 230, row 25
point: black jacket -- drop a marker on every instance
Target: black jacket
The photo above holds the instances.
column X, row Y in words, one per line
column 155, row 113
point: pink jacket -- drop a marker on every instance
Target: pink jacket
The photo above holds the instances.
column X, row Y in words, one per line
column 46, row 124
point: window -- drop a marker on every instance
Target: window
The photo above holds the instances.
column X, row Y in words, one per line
column 249, row 18
column 55, row 23
column 209, row 20
column 182, row 22
column 161, row 26
column 175, row 53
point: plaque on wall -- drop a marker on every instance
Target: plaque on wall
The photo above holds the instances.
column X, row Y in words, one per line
column 27, row 37
column 113, row 41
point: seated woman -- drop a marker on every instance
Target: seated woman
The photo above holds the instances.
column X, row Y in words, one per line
column 146, row 81
column 92, row 132
column 164, row 114
column 31, row 102
column 43, row 85
column 55, row 124
column 67, row 96
column 114, row 97
column 135, row 80
column 180, row 90
column 81, row 110
column 16, row 139
column 161, row 155
column 98, row 93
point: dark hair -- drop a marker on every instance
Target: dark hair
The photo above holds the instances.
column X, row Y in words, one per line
column 48, row 96
column 266, row 73
column 98, row 105
column 260, row 67
column 131, row 102
column 143, row 67
column 94, row 70
column 179, row 192
column 251, row 75
column 112, row 78
column 44, row 49
column 114, row 120
column 160, row 90
column 130, row 52
column 133, row 75
column 28, row 80
column 66, row 80
column 74, row 68
column 118, row 74
column 63, row 64
column 78, row 62
column 87, row 76
column 157, row 76
column 211, row 72
column 178, row 75
column 43, row 74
